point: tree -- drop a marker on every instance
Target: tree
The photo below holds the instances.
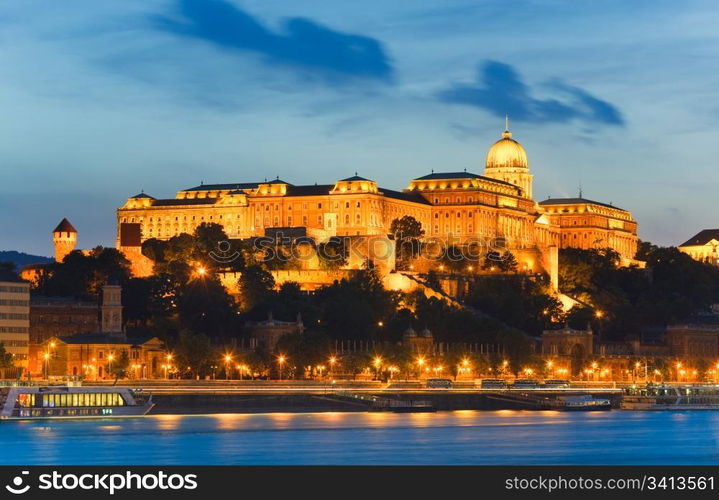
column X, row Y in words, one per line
column 83, row 275
column 505, row 261
column 203, row 305
column 332, row 254
column 118, row 367
column 407, row 232
column 7, row 364
column 193, row 351
column 256, row 286
column 310, row 348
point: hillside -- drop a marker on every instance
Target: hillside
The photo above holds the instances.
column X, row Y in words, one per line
column 21, row 259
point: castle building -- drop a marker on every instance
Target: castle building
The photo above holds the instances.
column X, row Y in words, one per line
column 703, row 246
column 590, row 224
column 454, row 207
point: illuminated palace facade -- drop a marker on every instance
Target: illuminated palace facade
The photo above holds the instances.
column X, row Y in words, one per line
column 455, row 206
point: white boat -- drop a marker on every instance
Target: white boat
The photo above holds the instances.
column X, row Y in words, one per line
column 668, row 397
column 61, row 402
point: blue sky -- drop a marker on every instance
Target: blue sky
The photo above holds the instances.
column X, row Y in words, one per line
column 102, row 99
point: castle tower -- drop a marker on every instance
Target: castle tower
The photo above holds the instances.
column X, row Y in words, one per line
column 507, row 161
column 64, row 237
column 111, row 310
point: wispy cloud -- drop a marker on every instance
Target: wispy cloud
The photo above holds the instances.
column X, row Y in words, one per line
column 500, row 90
column 305, row 44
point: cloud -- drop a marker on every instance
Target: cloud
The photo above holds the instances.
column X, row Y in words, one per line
column 500, row 90
column 303, row 44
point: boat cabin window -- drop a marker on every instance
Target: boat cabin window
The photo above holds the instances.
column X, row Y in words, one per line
column 82, row 399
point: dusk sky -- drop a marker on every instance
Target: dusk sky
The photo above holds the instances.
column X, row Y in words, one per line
column 102, row 99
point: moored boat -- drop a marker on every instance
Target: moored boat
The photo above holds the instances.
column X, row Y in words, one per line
column 61, row 402
column 671, row 397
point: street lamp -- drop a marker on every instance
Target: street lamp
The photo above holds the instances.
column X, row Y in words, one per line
column 377, row 364
column 228, row 360
column 46, row 357
column 281, row 361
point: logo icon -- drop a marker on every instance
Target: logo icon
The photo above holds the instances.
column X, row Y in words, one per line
column 17, row 481
column 223, row 254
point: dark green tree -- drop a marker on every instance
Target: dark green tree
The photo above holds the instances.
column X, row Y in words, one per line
column 256, row 286
column 407, row 232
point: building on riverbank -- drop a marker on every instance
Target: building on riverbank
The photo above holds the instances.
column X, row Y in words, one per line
column 92, row 354
column 15, row 321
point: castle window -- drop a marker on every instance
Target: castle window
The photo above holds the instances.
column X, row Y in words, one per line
column 446, row 200
column 319, row 205
column 446, row 215
column 459, row 200
column 358, row 204
column 469, row 215
column 277, row 221
column 436, row 200
column 347, row 219
column 470, row 200
column 289, row 220
column 436, row 216
column 436, row 229
column 267, row 208
column 304, row 220
column 319, row 220
column 347, row 204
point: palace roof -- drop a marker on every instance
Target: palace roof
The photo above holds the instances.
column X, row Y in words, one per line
column 413, row 196
column 702, row 238
column 184, row 201
column 449, row 175
column 460, row 175
column 355, row 178
column 576, row 201
column 64, row 227
column 309, row 190
column 220, row 187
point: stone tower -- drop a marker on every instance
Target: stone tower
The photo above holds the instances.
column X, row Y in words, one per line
column 64, row 237
column 111, row 310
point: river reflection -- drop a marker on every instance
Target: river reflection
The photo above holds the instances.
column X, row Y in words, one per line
column 459, row 437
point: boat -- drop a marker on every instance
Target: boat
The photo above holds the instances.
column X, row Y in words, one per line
column 671, row 397
column 584, row 402
column 413, row 406
column 579, row 402
column 62, row 402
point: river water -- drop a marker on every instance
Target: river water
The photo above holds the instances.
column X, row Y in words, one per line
column 452, row 438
